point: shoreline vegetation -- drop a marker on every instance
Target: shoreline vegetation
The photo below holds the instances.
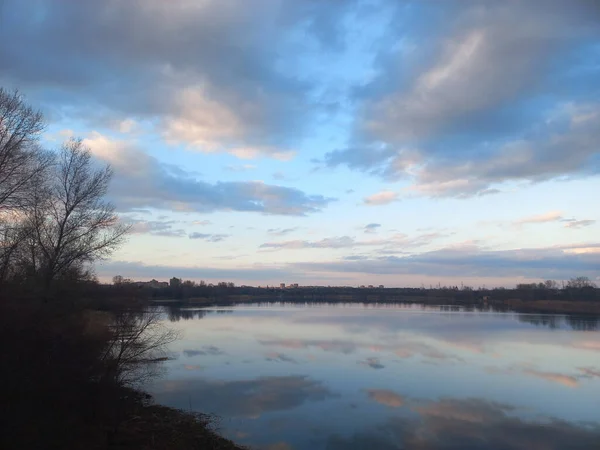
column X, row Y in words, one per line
column 578, row 296
column 73, row 377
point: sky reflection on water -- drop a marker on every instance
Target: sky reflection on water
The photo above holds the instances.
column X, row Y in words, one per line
column 289, row 377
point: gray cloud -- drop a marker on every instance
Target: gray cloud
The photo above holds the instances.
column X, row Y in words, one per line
column 204, row 351
column 209, row 73
column 373, row 363
column 281, row 231
column 477, row 106
column 141, row 181
column 209, row 237
column 371, row 227
column 580, row 223
column 154, row 227
column 280, row 357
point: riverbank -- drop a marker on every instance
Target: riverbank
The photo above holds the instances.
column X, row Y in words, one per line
column 151, row 426
column 66, row 382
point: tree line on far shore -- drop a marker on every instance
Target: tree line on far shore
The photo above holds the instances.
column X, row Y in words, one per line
column 575, row 289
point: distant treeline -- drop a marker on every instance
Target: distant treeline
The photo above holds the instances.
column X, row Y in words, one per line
column 579, row 289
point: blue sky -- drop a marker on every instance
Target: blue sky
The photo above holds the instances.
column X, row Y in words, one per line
column 329, row 142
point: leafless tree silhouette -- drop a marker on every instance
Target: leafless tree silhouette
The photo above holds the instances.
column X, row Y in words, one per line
column 70, row 222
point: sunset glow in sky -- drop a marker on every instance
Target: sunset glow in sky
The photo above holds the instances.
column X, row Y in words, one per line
column 337, row 142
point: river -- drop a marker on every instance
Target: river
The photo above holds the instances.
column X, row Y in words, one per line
column 284, row 377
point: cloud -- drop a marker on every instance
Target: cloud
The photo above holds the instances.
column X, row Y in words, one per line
column 395, row 241
column 565, row 380
column 553, row 216
column 371, row 227
column 373, row 363
column 280, row 357
column 201, row 222
column 558, row 378
column 209, row 237
column 211, row 75
column 580, row 223
column 204, row 351
column 243, row 398
column 475, row 107
column 590, row 372
column 153, row 227
column 386, row 397
column 381, row 198
column 141, row 181
column 281, row 231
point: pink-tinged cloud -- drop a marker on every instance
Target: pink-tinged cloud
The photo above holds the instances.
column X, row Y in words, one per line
column 381, row 198
column 386, row 397
column 565, row 380
column 552, row 216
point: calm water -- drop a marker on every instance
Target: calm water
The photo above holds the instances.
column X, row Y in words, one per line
column 353, row 377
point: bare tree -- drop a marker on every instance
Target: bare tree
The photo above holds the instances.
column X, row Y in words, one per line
column 580, row 283
column 138, row 344
column 71, row 223
column 21, row 160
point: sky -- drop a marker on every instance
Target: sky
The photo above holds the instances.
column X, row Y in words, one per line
column 330, row 142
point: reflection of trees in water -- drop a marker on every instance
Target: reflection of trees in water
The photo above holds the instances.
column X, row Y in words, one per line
column 578, row 323
column 175, row 313
column 542, row 320
column 591, row 323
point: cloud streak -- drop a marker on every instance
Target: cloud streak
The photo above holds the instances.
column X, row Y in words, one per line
column 208, row 237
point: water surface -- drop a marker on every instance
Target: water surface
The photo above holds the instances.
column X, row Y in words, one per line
column 353, row 377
